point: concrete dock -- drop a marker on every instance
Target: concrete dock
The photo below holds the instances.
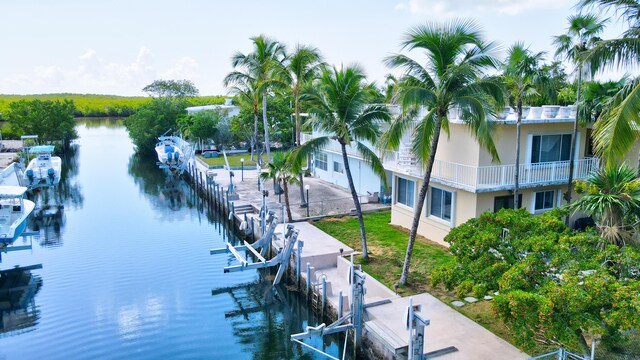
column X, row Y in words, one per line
column 384, row 323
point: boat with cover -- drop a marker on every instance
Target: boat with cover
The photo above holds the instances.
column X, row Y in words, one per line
column 173, row 152
column 14, row 211
column 44, row 169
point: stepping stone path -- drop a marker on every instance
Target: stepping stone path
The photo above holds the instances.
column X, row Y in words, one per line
column 457, row 303
column 488, row 297
column 470, row 299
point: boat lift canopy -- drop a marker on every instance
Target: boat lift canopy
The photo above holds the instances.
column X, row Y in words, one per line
column 42, row 149
column 10, row 192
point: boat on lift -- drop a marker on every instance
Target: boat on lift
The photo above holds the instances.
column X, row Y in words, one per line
column 173, row 153
column 14, row 211
column 45, row 168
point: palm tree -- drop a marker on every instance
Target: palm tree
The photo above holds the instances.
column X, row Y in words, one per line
column 246, row 90
column 302, row 67
column 340, row 107
column 612, row 198
column 615, row 131
column 456, row 57
column 279, row 170
column 522, row 78
column 582, row 34
column 262, row 70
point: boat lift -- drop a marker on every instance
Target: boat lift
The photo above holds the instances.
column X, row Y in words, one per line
column 281, row 259
column 353, row 321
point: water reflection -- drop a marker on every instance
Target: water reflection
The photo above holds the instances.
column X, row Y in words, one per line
column 48, row 217
column 18, row 311
column 264, row 317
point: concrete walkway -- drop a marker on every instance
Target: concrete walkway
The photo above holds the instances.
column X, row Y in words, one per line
column 326, row 198
column 448, row 327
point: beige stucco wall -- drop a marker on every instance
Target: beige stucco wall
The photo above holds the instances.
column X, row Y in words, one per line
column 466, row 205
column 460, row 147
column 505, row 139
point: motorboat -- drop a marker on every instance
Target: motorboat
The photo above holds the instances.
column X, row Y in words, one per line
column 45, row 168
column 14, row 211
column 173, row 152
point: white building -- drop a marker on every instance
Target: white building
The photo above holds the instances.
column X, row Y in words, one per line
column 228, row 108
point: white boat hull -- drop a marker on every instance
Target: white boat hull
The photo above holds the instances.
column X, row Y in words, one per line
column 40, row 172
column 13, row 224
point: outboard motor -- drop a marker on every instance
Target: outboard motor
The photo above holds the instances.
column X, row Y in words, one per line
column 51, row 174
column 30, row 175
column 176, row 156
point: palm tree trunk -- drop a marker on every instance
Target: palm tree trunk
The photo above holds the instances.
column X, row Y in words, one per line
column 574, row 141
column 356, row 201
column 254, row 148
column 266, row 126
column 298, row 143
column 433, row 147
column 516, row 187
column 285, row 186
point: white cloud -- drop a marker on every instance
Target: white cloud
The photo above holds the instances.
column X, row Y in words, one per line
column 94, row 73
column 456, row 8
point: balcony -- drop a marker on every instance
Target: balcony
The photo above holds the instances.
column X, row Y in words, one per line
column 495, row 177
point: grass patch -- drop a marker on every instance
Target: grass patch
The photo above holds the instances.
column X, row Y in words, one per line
column 387, row 246
column 234, row 160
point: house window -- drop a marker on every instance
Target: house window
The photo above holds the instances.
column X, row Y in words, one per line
column 321, row 161
column 544, row 200
column 588, row 149
column 505, row 202
column 405, row 191
column 337, row 167
column 441, row 204
column 546, row 148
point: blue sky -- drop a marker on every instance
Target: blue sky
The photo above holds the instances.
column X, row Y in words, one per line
column 118, row 47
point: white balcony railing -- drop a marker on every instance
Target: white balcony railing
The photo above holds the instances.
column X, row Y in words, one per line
column 496, row 177
column 333, row 146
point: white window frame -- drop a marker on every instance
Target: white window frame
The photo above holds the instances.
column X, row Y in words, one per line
column 428, row 214
column 320, row 160
column 530, row 143
column 341, row 167
column 555, row 201
column 397, row 192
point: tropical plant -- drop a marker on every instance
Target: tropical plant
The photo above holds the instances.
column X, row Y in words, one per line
column 52, row 121
column 596, row 97
column 456, row 57
column 582, row 34
column 302, row 67
column 553, row 286
column 256, row 74
column 615, row 131
column 340, row 107
column 245, row 90
column 279, row 170
column 611, row 196
column 521, row 76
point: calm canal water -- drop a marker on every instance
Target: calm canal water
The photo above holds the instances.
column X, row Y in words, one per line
column 127, row 273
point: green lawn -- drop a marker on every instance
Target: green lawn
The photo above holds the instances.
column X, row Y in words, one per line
column 234, row 160
column 387, row 245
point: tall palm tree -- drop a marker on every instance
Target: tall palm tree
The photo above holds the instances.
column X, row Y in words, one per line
column 279, row 170
column 612, row 198
column 522, row 78
column 340, row 107
column 301, row 68
column 582, row 34
column 456, row 56
column 261, row 69
column 621, row 118
column 245, row 87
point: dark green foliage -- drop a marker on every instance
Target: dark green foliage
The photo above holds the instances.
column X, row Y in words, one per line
column 171, row 89
column 152, row 120
column 279, row 119
column 554, row 285
column 201, row 126
column 52, row 121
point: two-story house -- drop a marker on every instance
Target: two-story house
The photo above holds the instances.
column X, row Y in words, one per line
column 465, row 182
